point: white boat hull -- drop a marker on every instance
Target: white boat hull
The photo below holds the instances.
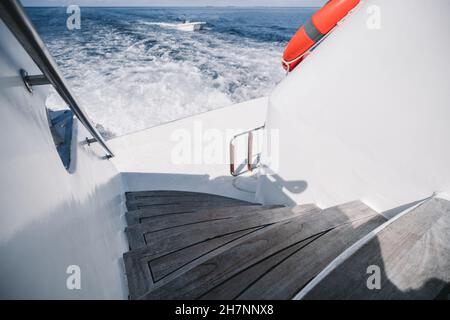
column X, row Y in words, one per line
column 188, row 26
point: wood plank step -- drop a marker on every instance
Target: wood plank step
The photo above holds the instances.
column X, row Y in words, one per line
column 164, row 220
column 144, row 266
column 260, row 247
column 413, row 254
column 183, row 203
column 177, row 208
column 139, row 202
column 281, row 276
column 175, row 238
column 138, row 195
column 179, row 200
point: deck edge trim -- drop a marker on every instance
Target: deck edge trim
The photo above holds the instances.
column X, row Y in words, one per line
column 351, row 250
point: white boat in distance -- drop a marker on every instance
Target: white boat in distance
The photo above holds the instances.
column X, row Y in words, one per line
column 185, row 26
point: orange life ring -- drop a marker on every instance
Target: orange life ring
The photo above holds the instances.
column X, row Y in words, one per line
column 313, row 30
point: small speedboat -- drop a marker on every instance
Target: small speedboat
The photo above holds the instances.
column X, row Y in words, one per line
column 184, row 26
column 189, row 26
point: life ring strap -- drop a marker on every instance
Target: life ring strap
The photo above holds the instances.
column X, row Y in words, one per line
column 312, row 32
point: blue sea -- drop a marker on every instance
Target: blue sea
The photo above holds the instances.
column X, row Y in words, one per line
column 130, row 72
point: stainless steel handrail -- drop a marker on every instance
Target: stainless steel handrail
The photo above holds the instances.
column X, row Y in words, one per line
column 13, row 15
column 250, row 166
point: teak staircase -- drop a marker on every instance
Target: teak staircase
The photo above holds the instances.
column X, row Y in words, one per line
column 186, row 245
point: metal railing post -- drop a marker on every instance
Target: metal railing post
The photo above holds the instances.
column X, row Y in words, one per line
column 13, row 15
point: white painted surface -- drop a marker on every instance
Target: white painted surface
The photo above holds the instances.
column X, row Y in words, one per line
column 366, row 115
column 146, row 159
column 49, row 218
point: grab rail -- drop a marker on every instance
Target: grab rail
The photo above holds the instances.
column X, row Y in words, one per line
column 13, row 15
column 250, row 165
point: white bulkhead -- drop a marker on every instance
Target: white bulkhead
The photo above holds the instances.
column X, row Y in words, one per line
column 366, row 115
column 51, row 218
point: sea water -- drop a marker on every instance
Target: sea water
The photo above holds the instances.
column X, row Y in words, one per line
column 130, row 73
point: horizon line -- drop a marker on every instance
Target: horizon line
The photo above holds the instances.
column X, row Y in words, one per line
column 168, row 6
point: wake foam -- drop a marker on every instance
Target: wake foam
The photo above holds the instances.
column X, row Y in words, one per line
column 143, row 75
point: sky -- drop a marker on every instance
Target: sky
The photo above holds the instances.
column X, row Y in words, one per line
column 278, row 3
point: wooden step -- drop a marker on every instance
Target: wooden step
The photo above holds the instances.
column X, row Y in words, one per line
column 160, row 220
column 183, row 247
column 183, row 200
column 162, row 239
column 282, row 275
column 235, row 271
column 412, row 254
column 138, row 195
